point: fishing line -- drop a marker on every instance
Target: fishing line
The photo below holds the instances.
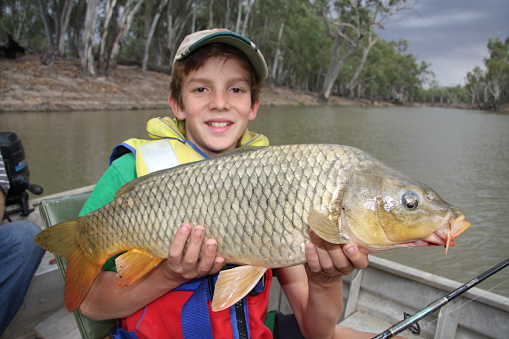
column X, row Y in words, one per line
column 464, row 304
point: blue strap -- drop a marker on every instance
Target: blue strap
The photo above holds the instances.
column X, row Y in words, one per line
column 195, row 312
column 115, row 153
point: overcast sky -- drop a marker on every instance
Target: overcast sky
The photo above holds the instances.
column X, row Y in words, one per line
column 450, row 34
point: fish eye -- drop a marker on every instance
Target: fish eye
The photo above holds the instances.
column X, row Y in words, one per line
column 410, row 200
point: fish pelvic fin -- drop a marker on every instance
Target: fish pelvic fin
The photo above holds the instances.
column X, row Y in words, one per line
column 80, row 273
column 134, row 264
column 234, row 284
column 326, row 228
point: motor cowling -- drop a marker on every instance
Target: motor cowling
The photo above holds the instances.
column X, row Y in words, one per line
column 16, row 167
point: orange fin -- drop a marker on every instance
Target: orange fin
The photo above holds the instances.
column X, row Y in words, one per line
column 234, row 284
column 79, row 277
column 133, row 265
column 59, row 239
column 80, row 274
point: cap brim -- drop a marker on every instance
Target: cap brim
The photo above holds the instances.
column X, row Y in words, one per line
column 251, row 51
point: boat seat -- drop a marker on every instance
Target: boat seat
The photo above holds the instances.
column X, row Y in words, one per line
column 54, row 211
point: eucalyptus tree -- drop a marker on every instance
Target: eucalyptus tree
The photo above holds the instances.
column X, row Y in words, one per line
column 58, row 11
column 347, row 23
column 476, row 86
column 153, row 18
column 118, row 20
column 89, row 31
column 390, row 73
column 19, row 19
column 292, row 41
column 181, row 15
column 497, row 75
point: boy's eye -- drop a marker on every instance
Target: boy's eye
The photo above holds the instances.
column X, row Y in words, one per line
column 200, row 89
column 237, row 90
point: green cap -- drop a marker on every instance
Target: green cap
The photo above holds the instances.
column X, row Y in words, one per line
column 224, row 36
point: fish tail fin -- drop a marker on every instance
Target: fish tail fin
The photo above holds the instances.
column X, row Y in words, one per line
column 79, row 277
column 80, row 274
column 59, row 239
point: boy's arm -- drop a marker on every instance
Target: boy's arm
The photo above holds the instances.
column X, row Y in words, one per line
column 314, row 290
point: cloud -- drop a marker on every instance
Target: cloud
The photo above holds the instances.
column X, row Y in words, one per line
column 451, row 35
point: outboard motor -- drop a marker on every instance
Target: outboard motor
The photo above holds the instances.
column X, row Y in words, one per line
column 17, row 172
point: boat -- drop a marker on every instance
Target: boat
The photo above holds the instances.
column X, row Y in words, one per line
column 375, row 298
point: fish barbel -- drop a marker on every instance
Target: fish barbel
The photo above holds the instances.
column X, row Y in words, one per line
column 258, row 203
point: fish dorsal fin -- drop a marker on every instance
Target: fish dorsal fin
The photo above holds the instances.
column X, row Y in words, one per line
column 242, row 149
column 133, row 265
column 326, row 228
column 234, row 284
column 128, row 187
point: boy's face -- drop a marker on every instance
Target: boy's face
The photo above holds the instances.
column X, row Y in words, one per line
column 217, row 104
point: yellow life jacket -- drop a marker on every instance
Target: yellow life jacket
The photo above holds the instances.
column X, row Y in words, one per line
column 169, row 146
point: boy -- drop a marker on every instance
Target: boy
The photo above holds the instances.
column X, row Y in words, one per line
column 216, row 81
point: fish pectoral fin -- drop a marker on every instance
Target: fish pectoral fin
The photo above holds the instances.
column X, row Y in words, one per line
column 325, row 228
column 234, row 284
column 133, row 265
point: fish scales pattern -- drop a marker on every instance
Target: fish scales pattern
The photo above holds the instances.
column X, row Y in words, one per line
column 255, row 204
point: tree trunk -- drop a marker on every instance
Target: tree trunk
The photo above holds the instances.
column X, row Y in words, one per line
column 104, row 46
column 176, row 24
column 211, row 14
column 64, row 18
column 87, row 58
column 44, row 17
column 227, row 14
column 108, row 60
column 336, row 63
column 248, row 13
column 150, row 35
column 352, row 21
column 239, row 17
column 277, row 55
column 365, row 52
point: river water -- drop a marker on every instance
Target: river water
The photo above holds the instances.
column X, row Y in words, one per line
column 463, row 155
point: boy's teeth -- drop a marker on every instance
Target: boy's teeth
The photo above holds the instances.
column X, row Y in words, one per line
column 218, row 124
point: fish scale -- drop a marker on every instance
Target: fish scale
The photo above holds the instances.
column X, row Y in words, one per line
column 274, row 209
column 259, row 204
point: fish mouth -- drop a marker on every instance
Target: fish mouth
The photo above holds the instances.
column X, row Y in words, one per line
column 445, row 235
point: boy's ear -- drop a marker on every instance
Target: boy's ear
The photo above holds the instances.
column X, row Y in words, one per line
column 254, row 110
column 175, row 107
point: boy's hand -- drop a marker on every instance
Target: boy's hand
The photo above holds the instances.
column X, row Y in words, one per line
column 186, row 263
column 328, row 262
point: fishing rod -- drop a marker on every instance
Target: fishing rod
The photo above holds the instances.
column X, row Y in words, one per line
column 406, row 323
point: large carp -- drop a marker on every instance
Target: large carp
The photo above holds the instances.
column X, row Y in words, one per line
column 258, row 203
